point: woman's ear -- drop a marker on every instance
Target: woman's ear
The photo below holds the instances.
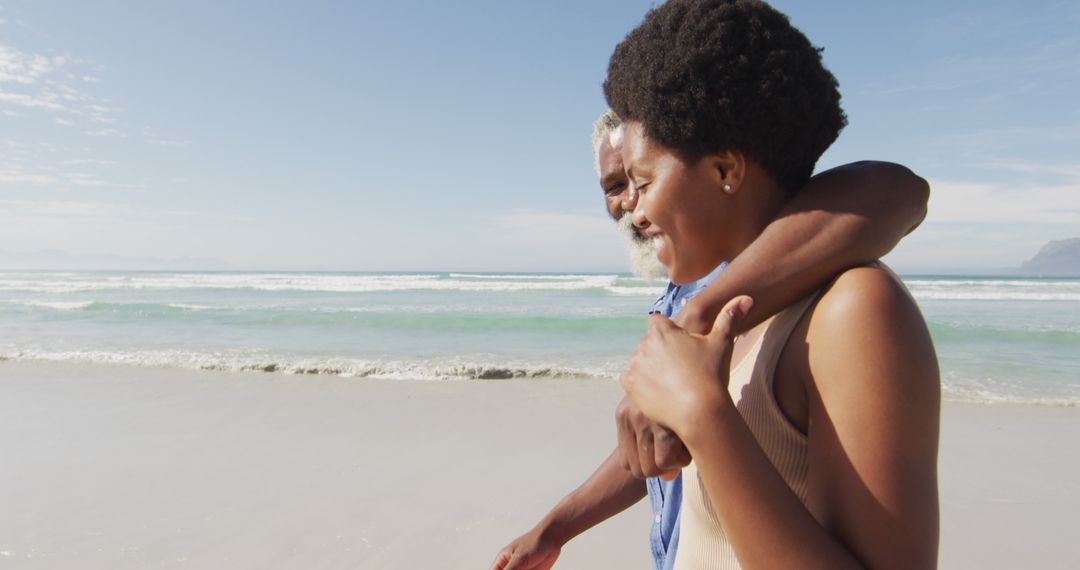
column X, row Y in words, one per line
column 729, row 170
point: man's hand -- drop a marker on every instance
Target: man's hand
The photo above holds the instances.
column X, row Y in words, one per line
column 607, row 492
column 530, row 551
column 648, row 449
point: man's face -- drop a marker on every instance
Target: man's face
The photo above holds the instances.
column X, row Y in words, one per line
column 613, row 181
column 621, row 199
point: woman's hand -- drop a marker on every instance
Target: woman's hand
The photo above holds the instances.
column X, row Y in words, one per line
column 675, row 376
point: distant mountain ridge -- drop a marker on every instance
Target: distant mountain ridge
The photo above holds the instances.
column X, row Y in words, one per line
column 1058, row 258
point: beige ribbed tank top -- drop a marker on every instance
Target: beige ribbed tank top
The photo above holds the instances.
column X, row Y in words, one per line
column 702, row 541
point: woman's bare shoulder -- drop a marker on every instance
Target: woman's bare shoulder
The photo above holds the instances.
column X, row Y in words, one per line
column 866, row 319
column 863, row 295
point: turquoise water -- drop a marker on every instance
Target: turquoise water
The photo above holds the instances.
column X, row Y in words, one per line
column 998, row 339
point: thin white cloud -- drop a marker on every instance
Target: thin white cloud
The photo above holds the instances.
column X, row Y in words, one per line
column 1068, row 171
column 952, row 201
column 165, row 142
column 61, row 89
column 92, row 161
column 24, row 68
column 989, row 226
column 104, row 213
column 87, row 180
column 107, row 133
column 43, row 100
column 52, row 83
column 10, row 175
column 16, row 174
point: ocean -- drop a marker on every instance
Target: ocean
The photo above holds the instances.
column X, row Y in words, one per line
column 999, row 339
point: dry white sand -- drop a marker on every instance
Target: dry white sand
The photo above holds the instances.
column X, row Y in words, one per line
column 116, row 467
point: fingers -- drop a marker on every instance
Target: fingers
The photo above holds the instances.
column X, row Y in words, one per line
column 669, row 452
column 669, row 475
column 724, row 328
column 646, row 448
column 691, row 320
column 660, row 323
column 517, row 560
column 627, row 438
column 646, row 457
column 732, row 311
column 528, row 552
column 635, row 441
column 726, row 320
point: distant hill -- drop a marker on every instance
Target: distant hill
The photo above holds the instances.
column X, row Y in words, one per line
column 1059, row 258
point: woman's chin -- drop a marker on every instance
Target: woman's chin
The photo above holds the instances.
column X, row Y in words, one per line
column 677, row 272
column 663, row 257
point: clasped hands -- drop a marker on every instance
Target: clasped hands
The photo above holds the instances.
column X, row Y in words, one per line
column 673, row 378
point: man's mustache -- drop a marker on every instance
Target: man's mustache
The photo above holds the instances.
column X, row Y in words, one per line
column 634, row 231
column 642, row 250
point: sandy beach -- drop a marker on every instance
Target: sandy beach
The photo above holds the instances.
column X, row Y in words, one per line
column 108, row 466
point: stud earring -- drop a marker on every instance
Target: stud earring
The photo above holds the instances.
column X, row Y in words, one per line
column 728, row 189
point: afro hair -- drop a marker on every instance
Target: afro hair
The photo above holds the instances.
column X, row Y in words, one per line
column 707, row 76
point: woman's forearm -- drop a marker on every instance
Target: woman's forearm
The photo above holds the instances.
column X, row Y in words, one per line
column 766, row 523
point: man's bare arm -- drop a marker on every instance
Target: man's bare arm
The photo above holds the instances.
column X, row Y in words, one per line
column 844, row 217
column 609, row 491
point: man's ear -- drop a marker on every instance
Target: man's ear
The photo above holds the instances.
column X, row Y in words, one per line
column 728, row 169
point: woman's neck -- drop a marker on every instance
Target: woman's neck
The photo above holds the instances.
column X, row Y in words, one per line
column 764, row 200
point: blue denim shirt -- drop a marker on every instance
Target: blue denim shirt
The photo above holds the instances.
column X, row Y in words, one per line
column 666, row 496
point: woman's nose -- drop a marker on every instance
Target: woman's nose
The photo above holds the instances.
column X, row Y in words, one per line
column 629, row 199
column 638, row 214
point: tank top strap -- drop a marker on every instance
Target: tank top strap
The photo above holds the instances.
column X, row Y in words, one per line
column 776, row 335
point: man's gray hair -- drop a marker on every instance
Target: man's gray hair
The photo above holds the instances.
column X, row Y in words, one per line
column 602, row 129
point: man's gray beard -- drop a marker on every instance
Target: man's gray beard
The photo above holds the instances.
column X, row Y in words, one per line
column 643, row 260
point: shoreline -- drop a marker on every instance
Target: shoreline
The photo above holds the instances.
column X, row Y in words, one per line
column 113, row 466
column 359, row 369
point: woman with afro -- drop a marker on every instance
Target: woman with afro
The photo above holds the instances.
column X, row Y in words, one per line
column 814, row 437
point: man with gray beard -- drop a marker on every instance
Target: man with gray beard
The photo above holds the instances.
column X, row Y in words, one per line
column 844, row 217
column 620, row 197
column 642, row 250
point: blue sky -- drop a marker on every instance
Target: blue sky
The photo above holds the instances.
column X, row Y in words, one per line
column 455, row 136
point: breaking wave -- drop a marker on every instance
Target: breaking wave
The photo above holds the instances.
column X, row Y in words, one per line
column 330, row 366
